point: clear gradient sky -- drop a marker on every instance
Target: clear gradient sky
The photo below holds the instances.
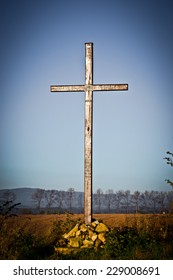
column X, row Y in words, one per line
column 42, row 133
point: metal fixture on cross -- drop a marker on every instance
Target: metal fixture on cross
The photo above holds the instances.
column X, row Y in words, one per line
column 88, row 88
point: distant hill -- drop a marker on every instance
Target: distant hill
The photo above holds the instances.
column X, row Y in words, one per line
column 23, row 196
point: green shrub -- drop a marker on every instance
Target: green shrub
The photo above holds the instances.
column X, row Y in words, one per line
column 123, row 243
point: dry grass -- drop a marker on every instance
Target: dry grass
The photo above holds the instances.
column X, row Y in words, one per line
column 42, row 224
column 133, row 236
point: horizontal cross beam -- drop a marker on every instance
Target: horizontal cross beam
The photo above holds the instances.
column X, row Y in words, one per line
column 79, row 88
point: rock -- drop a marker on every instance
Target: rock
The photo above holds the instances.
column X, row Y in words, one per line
column 83, row 236
column 78, row 233
column 95, row 223
column 101, row 228
column 75, row 242
column 97, row 243
column 62, row 250
column 101, row 236
column 91, row 228
column 92, row 235
column 72, row 233
column 83, row 228
column 62, row 242
column 88, row 243
column 86, row 237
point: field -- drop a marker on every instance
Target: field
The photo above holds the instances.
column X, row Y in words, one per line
column 131, row 236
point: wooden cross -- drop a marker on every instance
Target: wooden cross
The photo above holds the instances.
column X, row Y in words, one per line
column 88, row 88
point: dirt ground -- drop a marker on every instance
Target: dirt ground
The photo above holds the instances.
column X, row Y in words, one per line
column 41, row 224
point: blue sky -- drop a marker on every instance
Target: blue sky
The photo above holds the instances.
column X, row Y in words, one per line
column 42, row 133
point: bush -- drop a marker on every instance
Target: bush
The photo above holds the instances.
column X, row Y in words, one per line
column 122, row 243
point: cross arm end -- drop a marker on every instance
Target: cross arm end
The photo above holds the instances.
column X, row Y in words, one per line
column 67, row 88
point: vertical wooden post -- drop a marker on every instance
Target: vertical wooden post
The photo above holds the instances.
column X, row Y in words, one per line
column 89, row 87
column 88, row 133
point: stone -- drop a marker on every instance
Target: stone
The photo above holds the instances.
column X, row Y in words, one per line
column 72, row 233
column 88, row 243
column 92, row 235
column 101, row 236
column 101, row 228
column 91, row 228
column 62, row 250
column 95, row 223
column 86, row 237
column 82, row 236
column 75, row 242
column 62, row 242
column 83, row 228
column 97, row 243
column 78, row 233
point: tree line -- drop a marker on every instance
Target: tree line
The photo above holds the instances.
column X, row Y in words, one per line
column 110, row 201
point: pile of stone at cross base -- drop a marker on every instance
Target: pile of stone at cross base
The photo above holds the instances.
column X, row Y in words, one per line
column 83, row 236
